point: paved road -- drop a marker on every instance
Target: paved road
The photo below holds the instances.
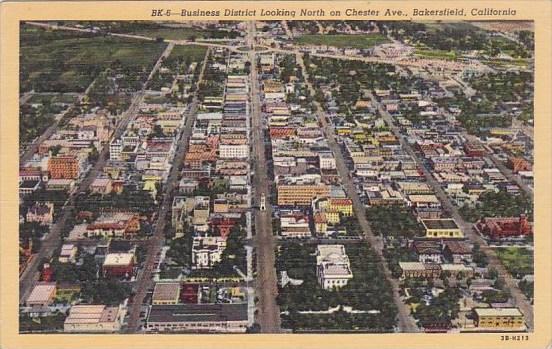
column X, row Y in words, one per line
column 466, row 227
column 144, row 281
column 267, row 288
column 526, row 129
column 405, row 322
column 25, row 97
column 53, row 239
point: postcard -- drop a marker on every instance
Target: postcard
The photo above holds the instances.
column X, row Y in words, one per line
column 274, row 174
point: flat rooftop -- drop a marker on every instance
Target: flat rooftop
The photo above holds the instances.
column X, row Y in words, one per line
column 166, row 291
column 498, row 312
column 446, row 223
column 198, row 313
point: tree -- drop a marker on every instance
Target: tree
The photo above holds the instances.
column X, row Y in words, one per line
column 94, row 155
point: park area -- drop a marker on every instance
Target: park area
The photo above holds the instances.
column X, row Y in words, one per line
column 362, row 305
column 518, row 261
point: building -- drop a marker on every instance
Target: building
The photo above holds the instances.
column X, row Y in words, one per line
column 27, row 186
column 333, row 268
column 120, row 224
column 343, row 206
column 518, row 164
column 94, row 319
column 189, row 293
column 445, row 228
column 42, row 295
column 427, row 251
column 294, row 224
column 327, row 161
column 61, row 184
column 505, row 227
column 118, row 265
column 457, row 270
column 457, row 252
column 320, row 223
column 301, row 195
column 115, row 149
column 498, row 318
column 68, row 253
column 166, row 293
column 234, row 151
column 63, row 167
column 206, row 251
column 101, row 186
column 41, row 212
column 199, row 318
column 474, row 149
column 419, row 270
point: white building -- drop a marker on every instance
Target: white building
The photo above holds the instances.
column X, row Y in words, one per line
column 206, row 251
column 234, row 151
column 295, row 225
column 68, row 253
column 327, row 161
column 94, row 319
column 333, row 268
column 115, row 149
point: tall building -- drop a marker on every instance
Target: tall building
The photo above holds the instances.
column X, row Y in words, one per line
column 301, row 195
column 63, row 167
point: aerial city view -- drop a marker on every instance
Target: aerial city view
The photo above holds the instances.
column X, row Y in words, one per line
column 276, row 177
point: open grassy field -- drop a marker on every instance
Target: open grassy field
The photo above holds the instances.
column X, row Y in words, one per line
column 342, row 40
column 518, row 261
column 193, row 52
column 68, row 62
column 431, row 53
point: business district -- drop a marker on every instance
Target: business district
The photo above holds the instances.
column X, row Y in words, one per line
column 148, row 219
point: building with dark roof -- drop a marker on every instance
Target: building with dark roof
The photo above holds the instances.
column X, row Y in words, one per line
column 427, row 251
column 457, row 252
column 442, row 228
column 225, row 318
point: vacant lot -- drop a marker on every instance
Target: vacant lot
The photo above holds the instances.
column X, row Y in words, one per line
column 55, row 61
column 518, row 261
column 429, row 53
column 358, row 41
column 188, row 52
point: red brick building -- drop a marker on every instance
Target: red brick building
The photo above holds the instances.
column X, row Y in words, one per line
column 504, row 227
column 474, row 149
column 189, row 293
column 224, row 224
column 63, row 167
column 518, row 164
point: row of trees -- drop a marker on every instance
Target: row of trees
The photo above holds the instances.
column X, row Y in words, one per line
column 139, row 201
column 498, row 204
